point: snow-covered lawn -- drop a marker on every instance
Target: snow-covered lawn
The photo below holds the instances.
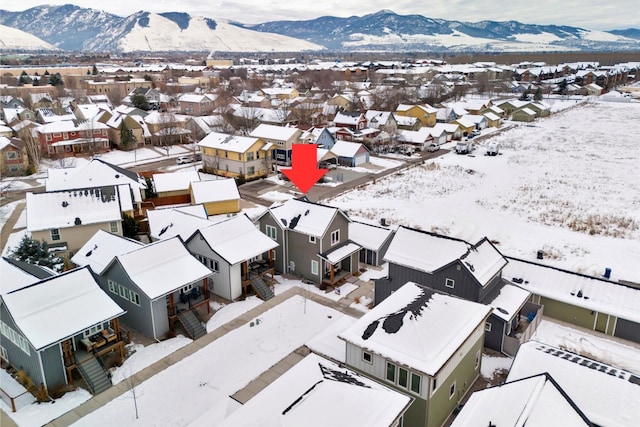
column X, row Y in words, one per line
column 493, row 364
column 36, row 415
column 204, row 381
column 564, row 184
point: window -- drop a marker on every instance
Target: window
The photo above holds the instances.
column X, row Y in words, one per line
column 435, row 385
column 187, row 288
column 273, row 254
column 251, row 170
column 250, row 156
column 367, row 357
column 213, row 265
column 122, row 291
column 55, row 234
column 449, row 283
column 487, row 327
column 403, row 377
column 312, row 239
column 335, row 237
column 3, row 354
column 92, row 330
column 415, row 383
column 391, row 372
column 452, row 390
column 134, row 297
column 112, row 286
column 12, row 155
column 314, row 268
column 113, row 226
column 271, row 231
column 477, row 359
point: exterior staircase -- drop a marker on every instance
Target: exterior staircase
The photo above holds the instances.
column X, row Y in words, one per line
column 191, row 325
column 94, row 375
column 263, row 290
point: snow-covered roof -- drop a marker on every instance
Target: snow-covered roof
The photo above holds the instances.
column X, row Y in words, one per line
column 491, row 116
column 336, row 255
column 415, row 136
column 429, row 252
column 167, row 223
column 13, row 277
column 62, row 209
column 369, row 236
column 474, row 118
column 417, row 327
column 96, row 173
column 279, row 133
column 317, row 392
column 162, row 267
column 533, row 401
column 100, row 249
column 509, row 301
column 215, row 190
column 346, row 148
column 608, row 396
column 305, row 217
column 60, row 307
column 237, row 239
column 589, row 292
column 223, row 141
column 174, row 181
column 347, row 118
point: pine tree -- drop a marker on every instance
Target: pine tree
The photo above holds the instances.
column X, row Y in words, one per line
column 127, row 138
column 35, row 252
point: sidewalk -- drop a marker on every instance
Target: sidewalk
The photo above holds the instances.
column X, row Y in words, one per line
column 7, row 228
column 122, row 387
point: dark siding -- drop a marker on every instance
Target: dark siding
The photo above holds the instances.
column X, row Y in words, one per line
column 18, row 358
column 627, row 330
column 383, row 288
column 466, row 286
column 489, row 292
column 493, row 339
column 280, row 264
column 53, row 366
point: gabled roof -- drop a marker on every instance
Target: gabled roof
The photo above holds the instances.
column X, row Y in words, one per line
column 417, row 327
column 57, row 308
column 223, row 141
column 101, row 248
column 509, row 301
column 280, row 133
column 63, row 209
column 369, row 236
column 591, row 293
column 216, row 190
column 429, row 252
column 162, row 267
column 304, row 217
column 607, row 395
column 167, row 223
column 346, row 117
column 532, row 401
column 14, row 277
column 174, row 181
column 317, row 392
column 236, row 239
column 347, row 149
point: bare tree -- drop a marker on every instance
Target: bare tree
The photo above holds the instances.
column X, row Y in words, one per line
column 34, row 150
column 131, row 383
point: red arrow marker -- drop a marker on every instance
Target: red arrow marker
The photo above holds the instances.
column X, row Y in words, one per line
column 304, row 170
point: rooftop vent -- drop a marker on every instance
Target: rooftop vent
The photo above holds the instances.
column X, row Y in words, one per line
column 65, row 204
column 77, row 221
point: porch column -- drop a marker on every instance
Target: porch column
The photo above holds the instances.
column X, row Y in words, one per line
column 171, row 305
column 205, row 292
column 331, row 274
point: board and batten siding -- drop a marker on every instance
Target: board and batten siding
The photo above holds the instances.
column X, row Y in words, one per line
column 280, row 264
column 30, row 363
column 160, row 317
column 221, row 283
column 626, row 329
column 53, row 364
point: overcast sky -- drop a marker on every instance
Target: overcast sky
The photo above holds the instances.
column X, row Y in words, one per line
column 589, row 14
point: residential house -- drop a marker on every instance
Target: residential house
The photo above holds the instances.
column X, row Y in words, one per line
column 238, row 253
column 418, row 139
column 452, row 131
column 159, row 285
column 67, row 219
column 535, row 400
column 606, row 394
column 313, row 241
column 406, row 122
column 118, row 121
column 5, row 131
column 67, row 138
column 100, row 250
column 350, row 120
column 479, row 121
column 115, row 87
column 319, row 136
column 153, row 97
column 183, row 221
column 595, row 303
column 493, row 120
column 382, row 120
column 235, row 156
column 280, row 93
column 98, row 173
column 50, row 115
column 60, row 324
column 466, row 125
column 511, row 105
column 465, row 270
column 202, row 126
column 343, row 101
column 373, row 239
column 14, row 160
column 19, row 274
column 358, row 135
column 591, row 89
column 197, row 104
column 301, row 396
column 540, row 108
column 14, row 115
column 167, row 128
column 282, row 139
column 172, row 188
column 446, row 115
column 350, row 153
column 424, row 344
column 425, row 113
column 41, row 100
column 526, row 115
column 218, row 196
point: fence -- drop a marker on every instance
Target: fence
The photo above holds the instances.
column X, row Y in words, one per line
column 510, row 345
column 15, row 401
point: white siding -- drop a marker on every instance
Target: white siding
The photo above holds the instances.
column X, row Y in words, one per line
column 235, row 278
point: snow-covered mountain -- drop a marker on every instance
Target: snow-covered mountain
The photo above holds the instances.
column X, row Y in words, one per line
column 14, row 39
column 74, row 28
column 80, row 29
column 388, row 31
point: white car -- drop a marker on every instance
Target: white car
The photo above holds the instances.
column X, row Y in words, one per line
column 184, row 160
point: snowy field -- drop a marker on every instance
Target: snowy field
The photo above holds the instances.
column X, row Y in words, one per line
column 568, row 184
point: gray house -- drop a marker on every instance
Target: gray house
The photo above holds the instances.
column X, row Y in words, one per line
column 375, row 241
column 158, row 284
column 313, row 241
column 465, row 270
column 60, row 324
column 238, row 253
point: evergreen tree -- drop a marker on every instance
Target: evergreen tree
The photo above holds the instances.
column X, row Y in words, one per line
column 94, row 71
column 538, row 95
column 139, row 101
column 130, row 226
column 35, row 252
column 127, row 138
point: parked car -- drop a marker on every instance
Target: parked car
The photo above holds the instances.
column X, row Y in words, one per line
column 327, row 165
column 464, row 147
column 433, row 147
column 493, row 149
column 184, row 160
column 198, row 156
